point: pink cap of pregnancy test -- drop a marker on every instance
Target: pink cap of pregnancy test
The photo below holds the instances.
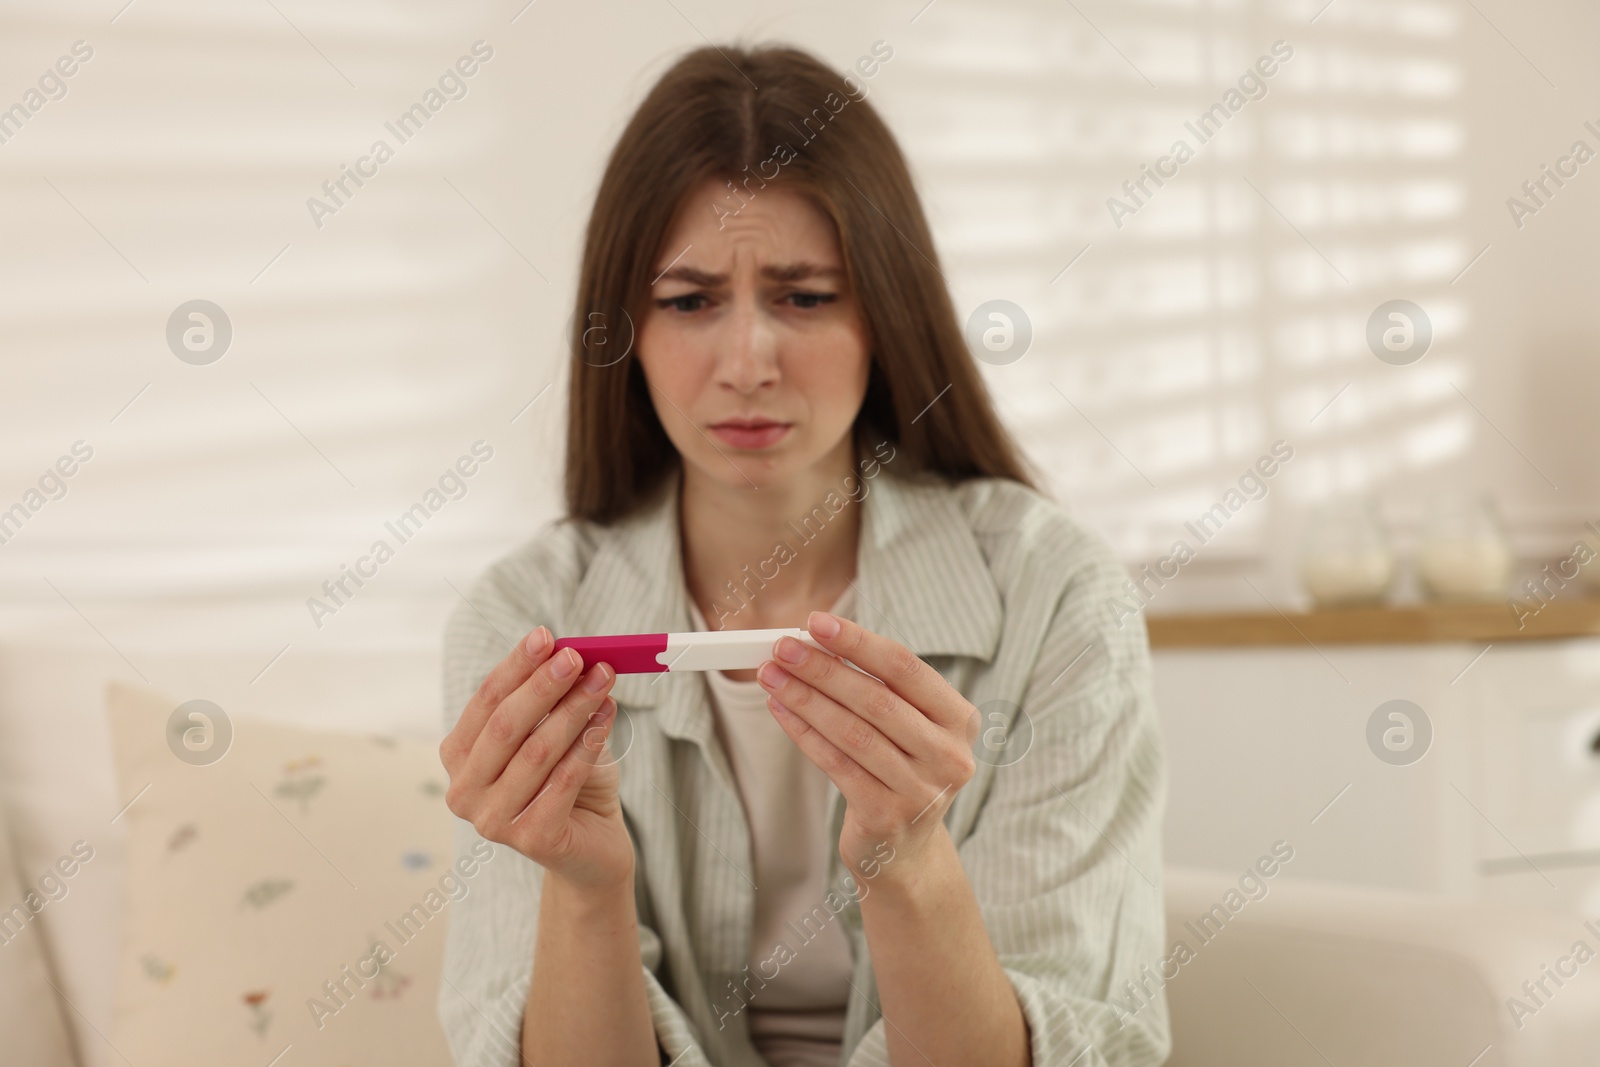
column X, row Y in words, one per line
column 627, row 653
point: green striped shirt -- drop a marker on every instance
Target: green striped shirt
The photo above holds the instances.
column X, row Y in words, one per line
column 1058, row 830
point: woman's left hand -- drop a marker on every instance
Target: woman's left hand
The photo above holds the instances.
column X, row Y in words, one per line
column 898, row 749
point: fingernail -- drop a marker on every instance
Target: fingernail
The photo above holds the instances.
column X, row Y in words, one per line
column 603, row 712
column 771, row 675
column 565, row 663
column 790, row 650
column 822, row 624
column 598, row 677
column 537, row 641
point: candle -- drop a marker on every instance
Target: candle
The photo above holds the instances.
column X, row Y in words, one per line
column 1465, row 569
column 1464, row 554
column 1347, row 558
column 1349, row 577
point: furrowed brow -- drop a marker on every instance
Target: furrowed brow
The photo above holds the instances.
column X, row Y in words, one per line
column 795, row 272
column 790, row 272
column 693, row 276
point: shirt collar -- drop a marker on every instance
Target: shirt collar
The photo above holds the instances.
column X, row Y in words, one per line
column 921, row 579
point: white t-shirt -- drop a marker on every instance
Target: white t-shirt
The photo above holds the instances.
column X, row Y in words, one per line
column 797, row 1018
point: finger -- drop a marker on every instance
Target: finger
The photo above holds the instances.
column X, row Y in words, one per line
column 502, row 680
column 511, row 723
column 892, row 663
column 525, row 772
column 906, row 726
column 842, row 728
column 546, row 812
column 860, row 787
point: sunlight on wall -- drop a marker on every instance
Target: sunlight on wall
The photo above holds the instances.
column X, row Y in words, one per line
column 1174, row 343
column 173, row 172
column 1218, row 312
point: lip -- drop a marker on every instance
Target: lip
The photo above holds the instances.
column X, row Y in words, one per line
column 751, row 434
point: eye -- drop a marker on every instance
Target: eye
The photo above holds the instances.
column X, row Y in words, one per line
column 684, row 303
column 811, row 300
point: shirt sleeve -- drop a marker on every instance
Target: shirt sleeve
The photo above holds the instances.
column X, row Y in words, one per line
column 1065, row 854
column 493, row 927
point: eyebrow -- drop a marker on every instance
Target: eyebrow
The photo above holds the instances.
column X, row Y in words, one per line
column 790, row 272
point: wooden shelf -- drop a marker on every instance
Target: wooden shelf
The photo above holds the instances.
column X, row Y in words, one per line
column 1401, row 625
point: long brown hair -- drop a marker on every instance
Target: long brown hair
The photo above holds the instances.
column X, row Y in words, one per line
column 732, row 113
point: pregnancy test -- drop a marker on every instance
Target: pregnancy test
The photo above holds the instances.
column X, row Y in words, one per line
column 712, row 650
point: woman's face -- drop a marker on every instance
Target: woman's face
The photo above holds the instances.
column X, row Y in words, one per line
column 752, row 344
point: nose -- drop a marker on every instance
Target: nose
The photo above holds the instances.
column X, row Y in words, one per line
column 747, row 356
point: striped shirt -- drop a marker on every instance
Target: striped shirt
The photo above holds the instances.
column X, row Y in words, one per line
column 1058, row 830
column 800, row 954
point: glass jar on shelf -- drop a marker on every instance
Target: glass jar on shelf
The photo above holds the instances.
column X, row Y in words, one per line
column 1463, row 553
column 1347, row 558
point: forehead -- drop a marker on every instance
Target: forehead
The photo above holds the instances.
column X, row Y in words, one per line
column 771, row 222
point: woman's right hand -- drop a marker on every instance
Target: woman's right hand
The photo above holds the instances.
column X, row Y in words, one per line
column 525, row 769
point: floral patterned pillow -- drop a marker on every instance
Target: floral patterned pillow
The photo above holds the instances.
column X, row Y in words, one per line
column 288, row 889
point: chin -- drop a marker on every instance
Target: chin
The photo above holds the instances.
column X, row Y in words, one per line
column 741, row 469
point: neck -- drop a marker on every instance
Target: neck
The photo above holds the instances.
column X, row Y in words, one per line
column 784, row 550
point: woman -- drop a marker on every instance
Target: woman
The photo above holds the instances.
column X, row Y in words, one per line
column 950, row 855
